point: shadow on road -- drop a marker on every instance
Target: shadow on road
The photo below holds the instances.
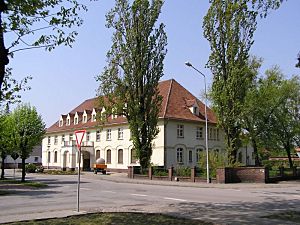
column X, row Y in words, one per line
column 236, row 212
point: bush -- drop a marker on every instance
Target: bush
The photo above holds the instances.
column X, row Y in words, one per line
column 216, row 160
column 159, row 171
column 39, row 169
column 182, row 171
column 30, row 168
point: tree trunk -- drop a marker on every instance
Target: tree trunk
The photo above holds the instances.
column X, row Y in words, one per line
column 288, row 151
column 23, row 170
column 2, row 166
column 3, row 51
column 255, row 151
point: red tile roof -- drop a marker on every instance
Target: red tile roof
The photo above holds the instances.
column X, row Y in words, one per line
column 175, row 105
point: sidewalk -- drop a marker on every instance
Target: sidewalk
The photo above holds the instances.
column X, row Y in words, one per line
column 122, row 178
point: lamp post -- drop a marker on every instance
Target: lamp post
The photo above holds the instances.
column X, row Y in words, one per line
column 205, row 112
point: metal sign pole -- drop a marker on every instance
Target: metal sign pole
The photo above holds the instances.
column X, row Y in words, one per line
column 78, row 183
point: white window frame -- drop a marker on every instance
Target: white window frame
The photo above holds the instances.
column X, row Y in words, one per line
column 108, row 134
column 179, row 155
column 98, row 135
column 120, row 133
column 180, row 131
column 199, row 133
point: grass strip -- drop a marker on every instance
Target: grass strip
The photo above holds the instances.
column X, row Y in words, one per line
column 291, row 216
column 115, row 218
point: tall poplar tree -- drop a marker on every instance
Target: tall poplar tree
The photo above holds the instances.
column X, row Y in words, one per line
column 129, row 83
column 229, row 26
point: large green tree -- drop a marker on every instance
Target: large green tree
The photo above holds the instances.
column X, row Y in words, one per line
column 271, row 113
column 135, row 65
column 27, row 131
column 283, row 126
column 5, row 141
column 35, row 24
column 229, row 26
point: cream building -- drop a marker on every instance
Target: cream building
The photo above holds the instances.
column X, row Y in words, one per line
column 180, row 140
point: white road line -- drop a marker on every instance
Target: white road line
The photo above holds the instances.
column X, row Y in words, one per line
column 140, row 195
column 85, row 189
column 176, row 199
column 110, row 192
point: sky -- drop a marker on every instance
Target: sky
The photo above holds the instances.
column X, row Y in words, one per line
column 65, row 77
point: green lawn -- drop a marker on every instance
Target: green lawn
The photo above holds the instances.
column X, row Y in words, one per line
column 116, row 219
column 291, row 216
column 26, row 183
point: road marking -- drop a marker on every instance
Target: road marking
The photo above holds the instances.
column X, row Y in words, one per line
column 109, row 192
column 176, row 199
column 140, row 195
column 85, row 189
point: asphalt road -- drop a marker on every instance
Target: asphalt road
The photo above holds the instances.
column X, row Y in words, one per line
column 232, row 204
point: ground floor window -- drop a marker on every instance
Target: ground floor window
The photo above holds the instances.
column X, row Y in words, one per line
column 108, row 156
column 49, row 157
column 133, row 156
column 198, row 153
column 190, row 156
column 120, row 156
column 97, row 154
column 179, row 155
column 55, row 156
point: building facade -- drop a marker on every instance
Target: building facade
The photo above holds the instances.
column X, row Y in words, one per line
column 180, row 140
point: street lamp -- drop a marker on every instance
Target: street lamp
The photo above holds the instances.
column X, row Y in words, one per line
column 205, row 112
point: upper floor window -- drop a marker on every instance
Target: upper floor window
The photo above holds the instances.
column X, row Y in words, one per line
column 179, row 155
column 120, row 133
column 49, row 140
column 98, row 135
column 199, row 132
column 88, row 136
column 213, row 134
column 55, row 140
column 63, row 138
column 70, row 137
column 108, row 134
column 180, row 131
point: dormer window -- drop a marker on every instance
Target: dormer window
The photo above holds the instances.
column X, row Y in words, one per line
column 195, row 110
column 76, row 120
column 68, row 122
column 84, row 119
column 94, row 117
column 61, row 123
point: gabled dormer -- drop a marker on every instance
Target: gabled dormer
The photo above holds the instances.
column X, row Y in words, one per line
column 193, row 106
column 69, row 119
column 76, row 118
column 61, row 120
column 84, row 116
column 94, row 115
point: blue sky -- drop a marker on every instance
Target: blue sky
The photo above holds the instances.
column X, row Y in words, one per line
column 65, row 77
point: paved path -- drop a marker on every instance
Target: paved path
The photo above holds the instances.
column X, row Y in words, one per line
column 224, row 204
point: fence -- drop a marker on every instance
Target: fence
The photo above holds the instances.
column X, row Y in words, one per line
column 224, row 175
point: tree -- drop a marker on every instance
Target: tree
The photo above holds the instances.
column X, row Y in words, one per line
column 229, row 27
column 135, row 65
column 36, row 24
column 284, row 126
column 5, row 143
column 28, row 130
column 271, row 115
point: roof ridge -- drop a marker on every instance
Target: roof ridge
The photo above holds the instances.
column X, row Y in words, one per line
column 168, row 97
